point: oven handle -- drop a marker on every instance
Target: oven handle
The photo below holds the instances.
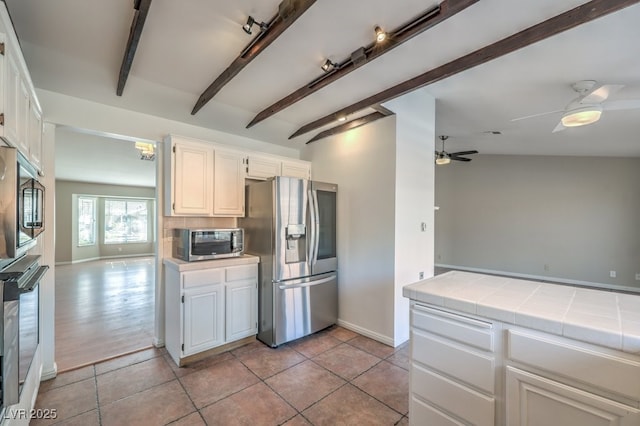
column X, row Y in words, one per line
column 34, row 280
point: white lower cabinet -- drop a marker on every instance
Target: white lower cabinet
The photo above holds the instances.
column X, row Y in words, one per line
column 533, row 400
column 471, row 371
column 209, row 307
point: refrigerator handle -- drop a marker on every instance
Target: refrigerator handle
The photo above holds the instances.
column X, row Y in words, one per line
column 316, row 227
column 312, row 219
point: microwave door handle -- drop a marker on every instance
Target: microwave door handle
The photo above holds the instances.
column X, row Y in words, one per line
column 316, row 226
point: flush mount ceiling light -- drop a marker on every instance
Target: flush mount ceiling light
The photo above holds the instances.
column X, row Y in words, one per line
column 380, row 35
column 329, row 66
column 147, row 151
column 250, row 21
column 582, row 115
column 342, row 118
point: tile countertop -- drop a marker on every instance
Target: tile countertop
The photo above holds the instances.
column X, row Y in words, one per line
column 182, row 265
column 600, row 317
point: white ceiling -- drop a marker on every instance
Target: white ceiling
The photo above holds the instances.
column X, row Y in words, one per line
column 76, row 48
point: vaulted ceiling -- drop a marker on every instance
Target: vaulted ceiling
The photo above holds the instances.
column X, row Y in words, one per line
column 76, row 48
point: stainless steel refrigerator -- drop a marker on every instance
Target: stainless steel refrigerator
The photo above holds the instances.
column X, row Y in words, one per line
column 291, row 224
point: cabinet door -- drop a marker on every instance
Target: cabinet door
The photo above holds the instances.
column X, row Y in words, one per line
column 203, row 318
column 296, row 169
column 228, row 192
column 192, row 186
column 23, row 118
column 35, row 135
column 12, row 88
column 242, row 309
column 533, row 400
column 259, row 167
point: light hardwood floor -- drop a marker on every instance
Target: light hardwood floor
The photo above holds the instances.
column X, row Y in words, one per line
column 103, row 309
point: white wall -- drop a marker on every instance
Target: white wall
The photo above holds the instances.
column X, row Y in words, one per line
column 414, row 248
column 577, row 215
column 362, row 163
column 80, row 113
column 384, row 172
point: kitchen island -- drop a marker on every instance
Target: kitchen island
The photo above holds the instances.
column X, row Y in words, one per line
column 490, row 350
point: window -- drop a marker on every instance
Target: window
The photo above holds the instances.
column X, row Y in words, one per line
column 86, row 221
column 125, row 221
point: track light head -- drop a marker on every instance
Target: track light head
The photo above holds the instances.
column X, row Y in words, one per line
column 250, row 21
column 329, row 66
column 380, row 34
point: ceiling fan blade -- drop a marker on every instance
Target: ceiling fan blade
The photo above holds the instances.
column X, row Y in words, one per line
column 560, row 127
column 460, row 159
column 536, row 115
column 622, row 104
column 456, row 154
column 600, row 93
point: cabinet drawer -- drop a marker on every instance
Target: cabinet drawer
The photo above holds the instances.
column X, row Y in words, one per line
column 456, row 327
column 471, row 406
column 617, row 374
column 244, row 272
column 192, row 279
column 424, row 414
column 454, row 360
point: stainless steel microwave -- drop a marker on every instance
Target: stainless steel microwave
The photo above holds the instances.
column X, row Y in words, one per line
column 21, row 204
column 206, row 244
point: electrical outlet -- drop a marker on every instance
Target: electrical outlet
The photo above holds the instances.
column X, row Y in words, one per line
column 423, row 227
column 637, row 277
column 546, row 267
column 421, row 275
column 612, row 274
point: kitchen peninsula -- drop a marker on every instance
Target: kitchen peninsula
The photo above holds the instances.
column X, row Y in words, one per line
column 491, row 350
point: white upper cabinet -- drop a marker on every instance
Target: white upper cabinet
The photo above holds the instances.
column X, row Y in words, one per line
column 189, row 185
column 21, row 116
column 296, row 168
column 228, row 179
column 262, row 166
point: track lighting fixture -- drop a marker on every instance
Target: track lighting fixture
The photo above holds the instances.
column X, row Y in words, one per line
column 380, row 35
column 329, row 66
column 250, row 21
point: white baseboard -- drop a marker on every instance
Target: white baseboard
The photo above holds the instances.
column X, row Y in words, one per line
column 92, row 259
column 542, row 278
column 158, row 343
column 366, row 332
column 50, row 374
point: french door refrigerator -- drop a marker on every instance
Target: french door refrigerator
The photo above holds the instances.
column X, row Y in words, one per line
column 291, row 224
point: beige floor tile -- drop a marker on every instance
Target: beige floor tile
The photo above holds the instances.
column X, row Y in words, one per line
column 350, row 406
column 266, row 361
column 198, row 365
column 67, row 378
column 341, row 333
column 304, row 384
column 90, row 418
column 346, row 361
column 68, row 401
column 372, row 346
column 315, row 344
column 401, row 357
column 403, row 421
column 135, row 378
column 387, row 383
column 256, row 405
column 218, row 381
column 127, row 360
column 156, row 406
column 193, row 419
column 298, row 421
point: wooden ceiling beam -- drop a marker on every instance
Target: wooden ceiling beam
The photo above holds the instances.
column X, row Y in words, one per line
column 289, row 11
column 381, row 112
column 407, row 31
column 139, row 17
column 559, row 23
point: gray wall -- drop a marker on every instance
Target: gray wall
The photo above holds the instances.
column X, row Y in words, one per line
column 569, row 218
column 67, row 249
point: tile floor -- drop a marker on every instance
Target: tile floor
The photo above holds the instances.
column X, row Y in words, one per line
column 335, row 377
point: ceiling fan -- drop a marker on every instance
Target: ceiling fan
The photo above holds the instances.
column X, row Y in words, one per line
column 588, row 106
column 444, row 157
